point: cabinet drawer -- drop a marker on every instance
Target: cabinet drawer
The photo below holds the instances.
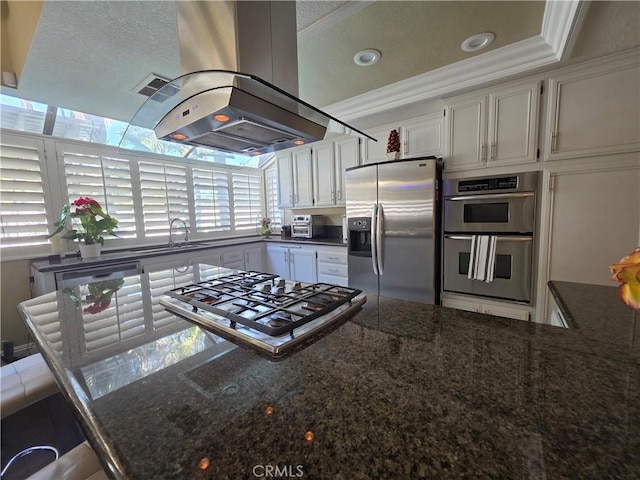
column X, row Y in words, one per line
column 333, row 279
column 232, row 257
column 332, row 269
column 332, row 257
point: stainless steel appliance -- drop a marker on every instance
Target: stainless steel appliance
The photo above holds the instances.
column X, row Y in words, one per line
column 307, row 226
column 502, row 206
column 263, row 311
column 394, row 239
column 491, row 204
column 84, row 276
column 212, row 105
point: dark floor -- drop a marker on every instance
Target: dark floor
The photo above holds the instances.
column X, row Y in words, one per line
column 48, row 422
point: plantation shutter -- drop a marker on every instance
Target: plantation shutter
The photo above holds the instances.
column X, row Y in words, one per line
column 164, row 196
column 247, row 200
column 211, row 196
column 107, row 180
column 23, row 206
column 272, row 197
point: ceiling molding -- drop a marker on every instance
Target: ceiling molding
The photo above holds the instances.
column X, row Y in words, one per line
column 561, row 17
column 336, row 16
column 520, row 57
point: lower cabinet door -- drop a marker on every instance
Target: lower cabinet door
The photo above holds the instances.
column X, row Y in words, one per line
column 302, row 265
column 277, row 261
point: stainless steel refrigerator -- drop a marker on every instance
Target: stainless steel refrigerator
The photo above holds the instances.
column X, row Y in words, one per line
column 393, row 218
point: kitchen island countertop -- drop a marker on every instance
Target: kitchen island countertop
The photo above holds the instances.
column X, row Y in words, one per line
column 403, row 390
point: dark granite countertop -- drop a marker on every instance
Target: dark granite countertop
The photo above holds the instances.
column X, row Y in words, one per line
column 108, row 257
column 402, row 391
column 337, row 242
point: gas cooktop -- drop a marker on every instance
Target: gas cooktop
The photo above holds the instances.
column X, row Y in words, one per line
column 262, row 310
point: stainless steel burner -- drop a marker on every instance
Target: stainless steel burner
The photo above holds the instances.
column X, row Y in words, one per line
column 261, row 309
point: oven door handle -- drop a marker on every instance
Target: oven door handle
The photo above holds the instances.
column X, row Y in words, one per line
column 498, row 239
column 374, row 244
column 379, row 229
column 490, row 196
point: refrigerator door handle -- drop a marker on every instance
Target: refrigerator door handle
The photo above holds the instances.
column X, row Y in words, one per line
column 374, row 244
column 379, row 229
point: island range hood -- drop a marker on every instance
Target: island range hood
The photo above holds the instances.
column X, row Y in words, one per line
column 213, row 105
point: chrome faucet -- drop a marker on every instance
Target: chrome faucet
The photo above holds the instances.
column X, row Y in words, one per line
column 186, row 232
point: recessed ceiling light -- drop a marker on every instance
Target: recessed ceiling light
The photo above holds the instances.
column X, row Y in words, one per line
column 478, row 42
column 367, row 57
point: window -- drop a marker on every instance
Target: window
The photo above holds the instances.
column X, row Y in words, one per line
column 247, row 200
column 107, row 180
column 22, row 115
column 211, row 200
column 88, row 128
column 23, row 203
column 272, row 197
column 164, row 196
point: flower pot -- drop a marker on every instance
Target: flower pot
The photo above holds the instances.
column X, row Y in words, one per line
column 90, row 251
column 393, row 155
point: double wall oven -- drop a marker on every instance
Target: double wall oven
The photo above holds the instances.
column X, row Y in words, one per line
column 504, row 207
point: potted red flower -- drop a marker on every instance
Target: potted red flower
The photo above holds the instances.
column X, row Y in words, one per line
column 89, row 224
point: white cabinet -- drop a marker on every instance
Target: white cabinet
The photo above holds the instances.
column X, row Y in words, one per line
column 490, row 308
column 324, row 183
column 233, row 259
column 594, row 111
column 373, row 152
column 295, row 187
column 302, row 265
column 330, row 160
column 292, row 262
column 253, row 259
column 419, row 137
column 422, row 137
column 278, row 260
column 332, row 265
column 497, row 127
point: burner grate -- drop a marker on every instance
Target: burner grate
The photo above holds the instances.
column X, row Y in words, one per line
column 257, row 301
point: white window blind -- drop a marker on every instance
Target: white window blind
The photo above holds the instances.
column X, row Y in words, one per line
column 164, row 196
column 211, row 197
column 23, row 212
column 272, row 197
column 247, row 200
column 105, row 179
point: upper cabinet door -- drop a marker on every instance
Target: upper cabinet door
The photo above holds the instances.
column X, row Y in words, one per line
column 302, row 178
column 466, row 133
column 422, row 137
column 373, row 152
column 346, row 155
column 513, row 125
column 594, row 111
column 324, row 191
column 285, row 180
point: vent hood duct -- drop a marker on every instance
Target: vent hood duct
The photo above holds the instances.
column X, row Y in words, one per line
column 213, row 105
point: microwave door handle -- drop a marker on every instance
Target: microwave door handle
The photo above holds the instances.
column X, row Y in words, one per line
column 490, row 196
column 379, row 229
column 374, row 244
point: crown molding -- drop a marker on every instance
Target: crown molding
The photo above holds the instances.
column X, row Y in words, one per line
column 331, row 19
column 535, row 52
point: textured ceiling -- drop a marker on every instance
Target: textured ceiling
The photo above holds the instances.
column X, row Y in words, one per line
column 90, row 55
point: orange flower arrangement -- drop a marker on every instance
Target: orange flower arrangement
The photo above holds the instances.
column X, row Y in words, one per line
column 627, row 271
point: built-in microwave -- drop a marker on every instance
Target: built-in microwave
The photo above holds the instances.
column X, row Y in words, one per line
column 503, row 204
